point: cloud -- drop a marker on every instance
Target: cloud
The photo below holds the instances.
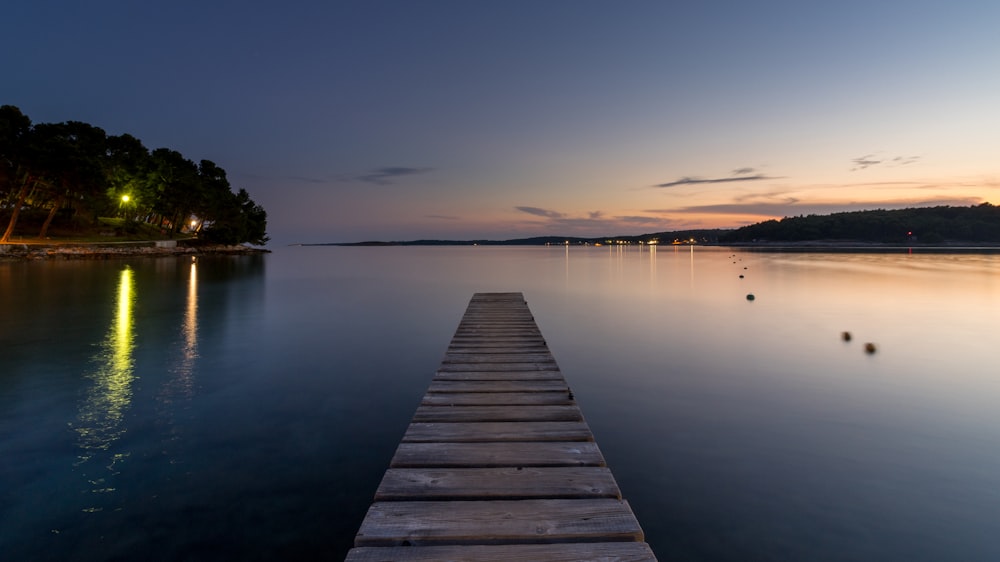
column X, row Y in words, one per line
column 300, row 179
column 442, row 217
column 304, row 179
column 639, row 219
column 540, row 212
column 384, row 176
column 592, row 223
column 740, row 174
column 793, row 207
column 869, row 160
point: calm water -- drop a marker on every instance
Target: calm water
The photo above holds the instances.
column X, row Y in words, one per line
column 245, row 408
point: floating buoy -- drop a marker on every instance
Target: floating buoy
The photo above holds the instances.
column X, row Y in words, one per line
column 750, row 297
column 870, row 348
column 846, row 336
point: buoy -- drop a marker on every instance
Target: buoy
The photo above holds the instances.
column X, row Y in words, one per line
column 846, row 336
column 870, row 348
column 741, row 277
column 750, row 297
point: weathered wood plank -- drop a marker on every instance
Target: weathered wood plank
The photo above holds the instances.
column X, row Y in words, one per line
column 459, row 455
column 574, row 552
column 458, row 386
column 482, row 358
column 495, row 349
column 503, row 483
column 501, row 341
column 510, row 328
column 497, row 399
column 498, row 376
column 481, row 432
column 499, row 319
column 498, row 367
column 497, row 522
column 454, row 414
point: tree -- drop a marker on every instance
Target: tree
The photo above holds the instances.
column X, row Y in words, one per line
column 70, row 158
column 14, row 176
column 175, row 182
column 53, row 166
column 126, row 172
column 241, row 220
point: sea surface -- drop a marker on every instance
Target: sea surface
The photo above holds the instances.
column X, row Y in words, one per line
column 246, row 407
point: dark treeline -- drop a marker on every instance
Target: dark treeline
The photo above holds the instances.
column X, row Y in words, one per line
column 928, row 225
column 78, row 173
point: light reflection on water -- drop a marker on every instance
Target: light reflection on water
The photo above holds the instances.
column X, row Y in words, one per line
column 101, row 420
column 179, row 387
column 182, row 384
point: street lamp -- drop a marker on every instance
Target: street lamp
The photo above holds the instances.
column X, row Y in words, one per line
column 124, row 206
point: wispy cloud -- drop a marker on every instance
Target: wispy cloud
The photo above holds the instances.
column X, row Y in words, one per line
column 300, row 179
column 305, row 179
column 739, row 175
column 541, row 212
column 794, row 207
column 595, row 223
column 870, row 160
column 386, row 176
column 443, row 217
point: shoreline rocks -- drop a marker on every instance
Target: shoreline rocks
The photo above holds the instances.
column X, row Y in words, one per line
column 19, row 252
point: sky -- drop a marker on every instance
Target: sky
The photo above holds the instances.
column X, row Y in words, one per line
column 476, row 119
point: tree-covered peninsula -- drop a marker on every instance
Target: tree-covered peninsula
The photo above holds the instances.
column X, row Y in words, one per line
column 978, row 224
column 76, row 178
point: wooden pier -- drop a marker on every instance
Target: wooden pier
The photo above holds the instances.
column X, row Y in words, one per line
column 498, row 462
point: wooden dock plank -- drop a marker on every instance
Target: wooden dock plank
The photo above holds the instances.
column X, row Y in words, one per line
column 480, row 432
column 497, row 522
column 498, row 462
column 499, row 367
column 465, row 386
column 497, row 454
column 498, row 376
column 508, row 483
column 495, row 349
column 573, row 552
column 505, row 413
column 480, row 358
column 497, row 399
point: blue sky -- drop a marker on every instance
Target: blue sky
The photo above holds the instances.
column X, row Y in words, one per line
column 471, row 119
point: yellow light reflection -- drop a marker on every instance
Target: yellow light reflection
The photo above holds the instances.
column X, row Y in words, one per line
column 101, row 421
column 190, row 329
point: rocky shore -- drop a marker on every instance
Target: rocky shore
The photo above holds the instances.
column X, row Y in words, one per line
column 68, row 251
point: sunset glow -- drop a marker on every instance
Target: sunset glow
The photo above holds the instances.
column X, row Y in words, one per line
column 401, row 121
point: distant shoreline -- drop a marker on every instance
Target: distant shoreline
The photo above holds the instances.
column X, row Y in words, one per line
column 810, row 245
column 25, row 251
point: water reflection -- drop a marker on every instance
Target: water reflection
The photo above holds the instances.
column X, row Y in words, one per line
column 189, row 332
column 101, row 419
column 652, row 267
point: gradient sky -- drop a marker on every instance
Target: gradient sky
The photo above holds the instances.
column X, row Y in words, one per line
column 353, row 121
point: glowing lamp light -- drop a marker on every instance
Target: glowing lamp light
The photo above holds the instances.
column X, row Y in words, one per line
column 125, row 198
